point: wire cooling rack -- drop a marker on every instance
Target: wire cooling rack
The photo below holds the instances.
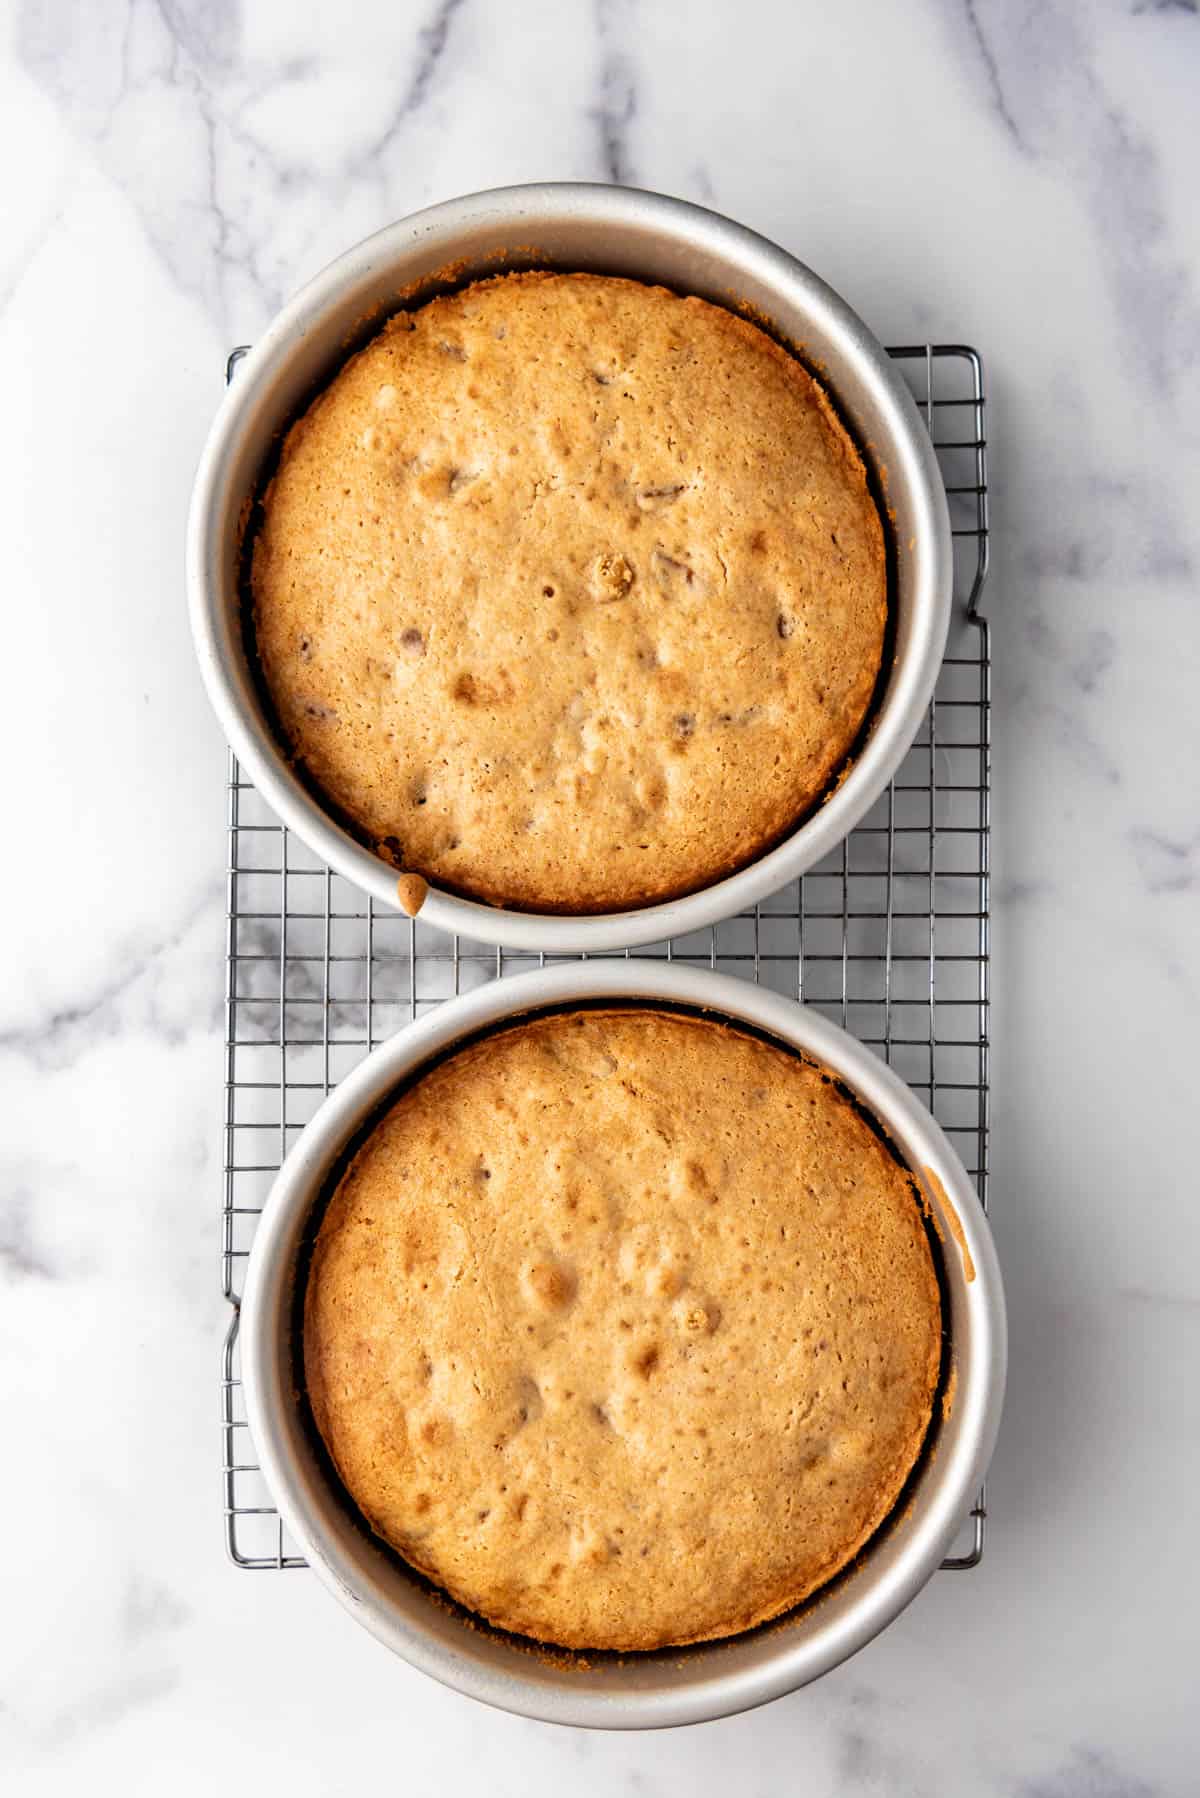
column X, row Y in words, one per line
column 888, row 936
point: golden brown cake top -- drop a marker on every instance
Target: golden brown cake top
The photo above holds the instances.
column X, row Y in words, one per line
column 570, row 592
column 623, row 1327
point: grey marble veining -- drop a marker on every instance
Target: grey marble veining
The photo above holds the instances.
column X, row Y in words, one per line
column 1021, row 177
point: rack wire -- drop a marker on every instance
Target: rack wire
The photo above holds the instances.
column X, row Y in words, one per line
column 888, row 936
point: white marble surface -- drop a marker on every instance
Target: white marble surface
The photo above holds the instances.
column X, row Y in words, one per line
column 1019, row 177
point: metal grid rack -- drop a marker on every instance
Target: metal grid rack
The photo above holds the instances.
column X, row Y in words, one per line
column 888, row 936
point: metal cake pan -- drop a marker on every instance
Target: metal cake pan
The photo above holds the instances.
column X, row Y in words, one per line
column 613, row 230
column 669, row 1686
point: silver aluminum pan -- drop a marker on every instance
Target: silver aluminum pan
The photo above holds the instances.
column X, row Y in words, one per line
column 672, row 1686
column 620, row 231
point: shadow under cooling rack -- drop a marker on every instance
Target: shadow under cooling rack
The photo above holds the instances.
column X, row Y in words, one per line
column 888, row 936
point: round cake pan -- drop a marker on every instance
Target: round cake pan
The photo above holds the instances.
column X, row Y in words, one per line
column 612, row 230
column 670, row 1686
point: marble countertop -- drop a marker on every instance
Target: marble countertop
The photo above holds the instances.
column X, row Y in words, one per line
column 1019, row 178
